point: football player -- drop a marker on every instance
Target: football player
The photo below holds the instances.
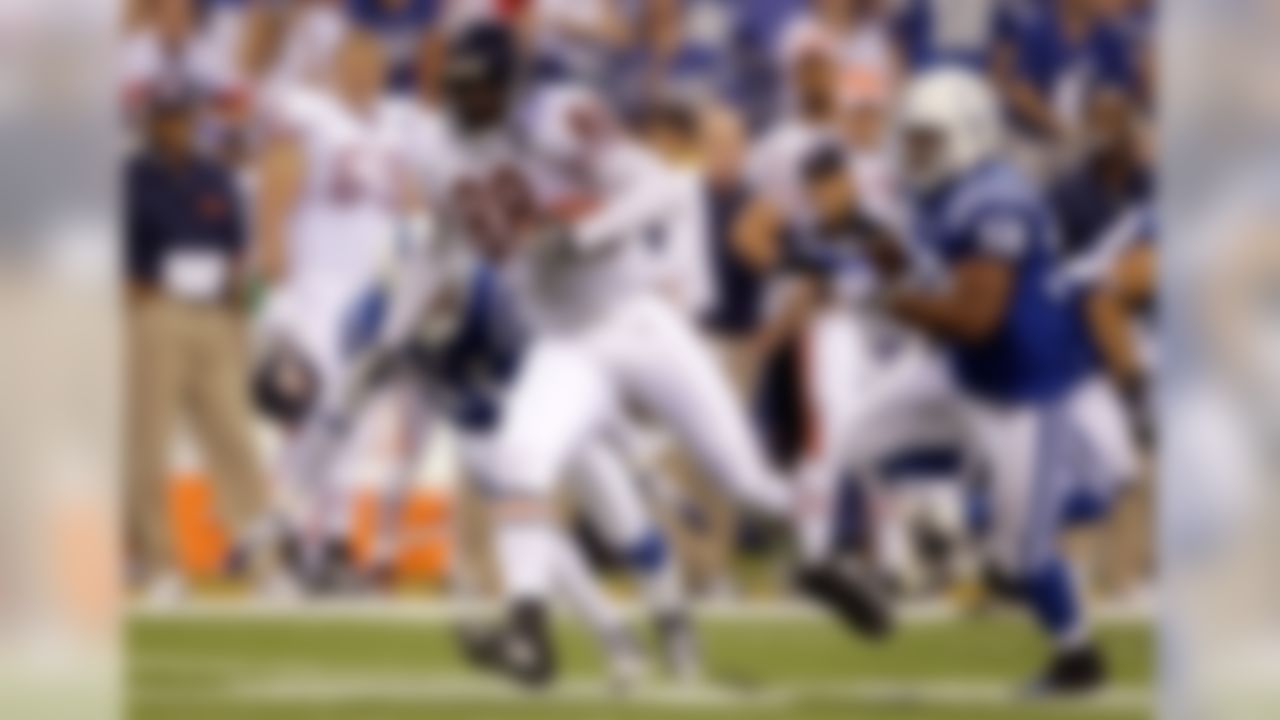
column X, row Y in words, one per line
column 330, row 201
column 864, row 384
column 453, row 333
column 1018, row 348
column 547, row 187
column 876, row 389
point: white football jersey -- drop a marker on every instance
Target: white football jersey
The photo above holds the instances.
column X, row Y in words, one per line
column 474, row 183
column 647, row 231
column 497, row 189
column 345, row 223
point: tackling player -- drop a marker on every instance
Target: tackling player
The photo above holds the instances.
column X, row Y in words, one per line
column 1018, row 347
column 551, row 191
column 464, row 351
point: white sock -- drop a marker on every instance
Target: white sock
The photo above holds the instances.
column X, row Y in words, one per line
column 308, row 465
column 526, row 551
column 663, row 589
column 584, row 596
column 815, row 513
column 893, row 537
column 418, row 425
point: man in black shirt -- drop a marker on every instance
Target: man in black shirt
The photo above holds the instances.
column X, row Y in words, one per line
column 187, row 360
column 1112, row 178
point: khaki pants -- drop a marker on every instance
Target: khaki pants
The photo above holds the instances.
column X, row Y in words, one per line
column 187, row 363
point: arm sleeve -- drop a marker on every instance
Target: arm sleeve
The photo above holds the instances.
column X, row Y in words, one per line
column 997, row 231
column 689, row 250
column 638, row 191
column 1126, row 232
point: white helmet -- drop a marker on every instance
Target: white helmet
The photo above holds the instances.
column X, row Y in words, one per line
column 567, row 124
column 955, row 113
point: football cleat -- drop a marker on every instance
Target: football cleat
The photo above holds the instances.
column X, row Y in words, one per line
column 857, row 600
column 521, row 650
column 1071, row 672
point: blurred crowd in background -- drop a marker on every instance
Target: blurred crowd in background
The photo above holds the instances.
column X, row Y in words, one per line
column 700, row 81
column 1073, row 72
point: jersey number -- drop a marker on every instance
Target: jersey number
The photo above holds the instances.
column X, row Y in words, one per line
column 496, row 208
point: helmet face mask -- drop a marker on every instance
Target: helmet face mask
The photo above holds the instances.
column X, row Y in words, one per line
column 479, row 76
column 475, row 105
column 925, row 157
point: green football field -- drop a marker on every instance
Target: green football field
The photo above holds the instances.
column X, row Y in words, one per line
column 788, row 667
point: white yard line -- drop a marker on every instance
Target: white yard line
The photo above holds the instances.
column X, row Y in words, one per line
column 299, row 689
column 436, row 611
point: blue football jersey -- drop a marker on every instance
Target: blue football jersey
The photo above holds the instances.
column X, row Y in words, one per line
column 471, row 370
column 1041, row 346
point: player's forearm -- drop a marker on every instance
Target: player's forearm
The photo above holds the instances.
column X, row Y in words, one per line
column 1032, row 108
column 1113, row 336
column 940, row 315
column 799, row 305
column 1134, row 278
column 271, row 233
column 1022, row 97
column 272, row 256
column 756, row 236
column 280, row 181
column 968, row 310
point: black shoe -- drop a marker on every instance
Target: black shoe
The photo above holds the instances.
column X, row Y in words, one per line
column 521, row 650
column 530, row 651
column 1073, row 672
column 856, row 600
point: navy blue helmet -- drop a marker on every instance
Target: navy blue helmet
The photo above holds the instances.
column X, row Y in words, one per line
column 480, row 74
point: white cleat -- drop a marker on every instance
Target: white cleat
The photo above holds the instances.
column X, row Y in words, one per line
column 628, row 670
